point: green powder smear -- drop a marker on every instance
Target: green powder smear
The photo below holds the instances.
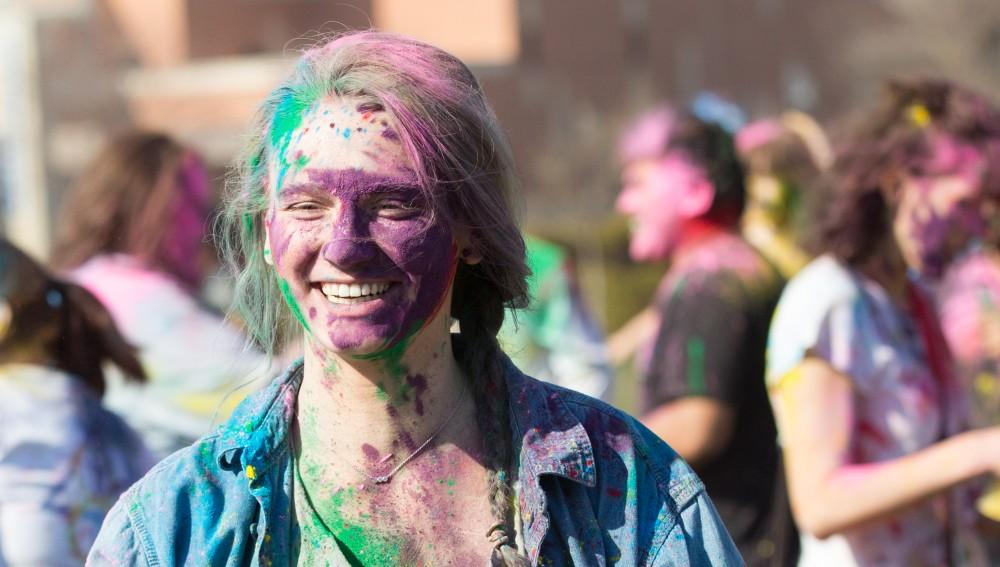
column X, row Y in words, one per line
column 392, row 357
column 360, row 544
column 292, row 304
column 288, row 117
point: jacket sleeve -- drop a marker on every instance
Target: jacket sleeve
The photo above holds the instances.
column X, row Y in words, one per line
column 118, row 544
column 698, row 538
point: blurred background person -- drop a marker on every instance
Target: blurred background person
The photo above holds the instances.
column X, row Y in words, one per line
column 133, row 232
column 784, row 158
column 869, row 411
column 64, row 459
column 703, row 389
column 555, row 339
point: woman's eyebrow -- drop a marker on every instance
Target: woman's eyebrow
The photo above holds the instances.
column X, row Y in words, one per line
column 359, row 181
column 301, row 190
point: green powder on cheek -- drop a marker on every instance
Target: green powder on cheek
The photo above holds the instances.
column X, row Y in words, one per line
column 292, row 304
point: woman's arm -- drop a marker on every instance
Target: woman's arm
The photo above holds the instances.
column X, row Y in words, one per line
column 829, row 494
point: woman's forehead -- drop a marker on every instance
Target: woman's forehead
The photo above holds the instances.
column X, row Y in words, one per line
column 340, row 133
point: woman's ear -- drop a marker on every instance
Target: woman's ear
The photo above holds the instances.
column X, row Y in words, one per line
column 467, row 250
column 268, row 259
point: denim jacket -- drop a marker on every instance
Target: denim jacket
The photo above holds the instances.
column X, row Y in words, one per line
column 596, row 488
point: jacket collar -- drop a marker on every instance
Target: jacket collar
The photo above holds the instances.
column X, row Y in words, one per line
column 257, row 432
column 547, row 439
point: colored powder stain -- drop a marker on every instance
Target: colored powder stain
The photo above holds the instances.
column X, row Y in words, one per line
column 696, row 365
column 347, row 133
column 371, row 453
column 251, row 472
column 292, row 304
column 361, row 545
column 288, row 118
column 614, row 493
column 380, row 392
column 393, row 359
column 419, row 385
column 312, row 312
column 302, row 161
column 248, row 224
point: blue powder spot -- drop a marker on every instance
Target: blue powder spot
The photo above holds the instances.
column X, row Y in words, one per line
column 347, row 133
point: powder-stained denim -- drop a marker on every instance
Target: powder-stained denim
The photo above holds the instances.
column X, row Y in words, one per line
column 597, row 488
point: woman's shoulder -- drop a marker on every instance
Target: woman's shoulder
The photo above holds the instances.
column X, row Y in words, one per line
column 823, row 280
column 613, row 473
column 615, row 447
column 206, row 487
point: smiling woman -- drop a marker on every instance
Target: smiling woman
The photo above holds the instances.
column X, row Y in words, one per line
column 372, row 210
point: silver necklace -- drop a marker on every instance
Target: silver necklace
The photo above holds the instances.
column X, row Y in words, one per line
column 385, row 478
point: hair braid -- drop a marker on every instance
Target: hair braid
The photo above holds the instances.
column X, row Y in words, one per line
column 480, row 312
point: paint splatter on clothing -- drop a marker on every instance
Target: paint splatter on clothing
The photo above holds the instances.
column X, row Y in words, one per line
column 197, row 365
column 555, row 339
column 595, row 488
column 849, row 321
column 64, row 460
column 715, row 306
column 970, row 317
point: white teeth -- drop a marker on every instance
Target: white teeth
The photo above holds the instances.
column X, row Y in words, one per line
column 353, row 293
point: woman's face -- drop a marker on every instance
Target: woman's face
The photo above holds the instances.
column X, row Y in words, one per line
column 360, row 258
column 940, row 212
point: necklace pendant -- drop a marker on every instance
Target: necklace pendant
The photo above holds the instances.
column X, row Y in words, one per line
column 381, row 479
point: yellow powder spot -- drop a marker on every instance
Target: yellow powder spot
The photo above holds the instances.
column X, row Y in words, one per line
column 919, row 115
column 251, row 472
column 986, row 384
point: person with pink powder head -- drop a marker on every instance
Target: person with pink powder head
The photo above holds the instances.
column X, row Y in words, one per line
column 133, row 232
column 702, row 368
column 371, row 215
column 882, row 467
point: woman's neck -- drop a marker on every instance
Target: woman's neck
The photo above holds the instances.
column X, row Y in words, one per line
column 379, row 409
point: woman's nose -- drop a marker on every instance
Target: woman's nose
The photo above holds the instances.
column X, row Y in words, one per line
column 350, row 243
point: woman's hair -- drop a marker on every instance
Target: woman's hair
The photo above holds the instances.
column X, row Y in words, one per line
column 464, row 167
column 122, row 203
column 898, row 138
column 73, row 329
column 707, row 144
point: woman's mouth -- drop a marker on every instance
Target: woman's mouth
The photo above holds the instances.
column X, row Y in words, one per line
column 352, row 293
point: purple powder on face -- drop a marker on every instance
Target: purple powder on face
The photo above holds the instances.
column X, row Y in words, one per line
column 312, row 312
column 367, row 243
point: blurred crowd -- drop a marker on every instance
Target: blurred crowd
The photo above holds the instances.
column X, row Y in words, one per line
column 823, row 349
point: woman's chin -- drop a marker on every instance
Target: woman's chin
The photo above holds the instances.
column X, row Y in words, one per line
column 368, row 347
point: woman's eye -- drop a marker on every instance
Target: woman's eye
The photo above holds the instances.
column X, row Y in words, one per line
column 397, row 209
column 304, row 208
